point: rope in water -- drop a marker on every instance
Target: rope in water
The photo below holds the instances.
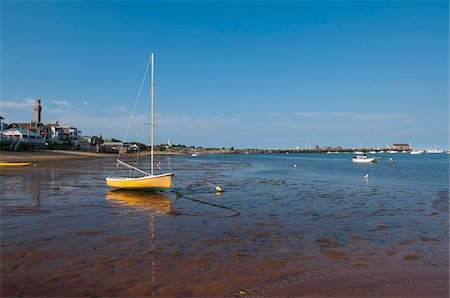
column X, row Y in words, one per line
column 180, row 195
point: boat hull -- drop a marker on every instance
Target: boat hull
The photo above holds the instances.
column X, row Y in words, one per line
column 14, row 164
column 416, row 152
column 365, row 160
column 147, row 183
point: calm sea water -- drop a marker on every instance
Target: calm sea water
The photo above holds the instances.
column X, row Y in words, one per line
column 281, row 217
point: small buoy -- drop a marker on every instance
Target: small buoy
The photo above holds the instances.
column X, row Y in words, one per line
column 391, row 160
column 218, row 187
column 295, row 165
column 366, row 176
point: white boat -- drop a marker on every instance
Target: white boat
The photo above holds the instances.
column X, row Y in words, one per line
column 149, row 181
column 392, row 151
column 358, row 152
column 435, row 150
column 194, row 154
column 414, row 152
column 362, row 158
column 372, row 152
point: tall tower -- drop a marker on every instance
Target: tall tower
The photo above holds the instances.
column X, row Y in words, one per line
column 37, row 110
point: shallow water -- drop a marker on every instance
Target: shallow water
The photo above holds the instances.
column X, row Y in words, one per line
column 281, row 218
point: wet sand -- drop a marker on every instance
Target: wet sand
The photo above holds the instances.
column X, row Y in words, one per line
column 48, row 155
column 65, row 234
column 404, row 283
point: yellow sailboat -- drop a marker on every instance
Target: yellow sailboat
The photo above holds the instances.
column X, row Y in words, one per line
column 149, row 182
column 14, row 164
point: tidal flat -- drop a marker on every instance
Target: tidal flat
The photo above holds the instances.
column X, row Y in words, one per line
column 286, row 225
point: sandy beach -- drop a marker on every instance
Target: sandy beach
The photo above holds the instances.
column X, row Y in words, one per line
column 49, row 155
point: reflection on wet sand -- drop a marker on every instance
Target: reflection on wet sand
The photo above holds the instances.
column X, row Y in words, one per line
column 147, row 201
column 151, row 202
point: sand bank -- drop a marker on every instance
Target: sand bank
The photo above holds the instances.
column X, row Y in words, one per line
column 49, row 155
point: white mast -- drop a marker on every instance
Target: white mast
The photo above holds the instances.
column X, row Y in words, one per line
column 153, row 113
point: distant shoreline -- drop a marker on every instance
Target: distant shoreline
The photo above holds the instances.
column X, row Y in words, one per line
column 49, row 155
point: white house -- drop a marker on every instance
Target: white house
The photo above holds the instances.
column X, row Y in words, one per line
column 63, row 134
column 19, row 138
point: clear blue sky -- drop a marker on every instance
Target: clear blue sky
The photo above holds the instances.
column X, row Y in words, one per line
column 243, row 73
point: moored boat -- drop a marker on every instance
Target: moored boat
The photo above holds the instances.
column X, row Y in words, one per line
column 414, row 152
column 362, row 158
column 434, row 150
column 14, row 164
column 149, row 182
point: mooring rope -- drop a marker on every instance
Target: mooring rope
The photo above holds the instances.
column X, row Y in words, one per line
column 180, row 195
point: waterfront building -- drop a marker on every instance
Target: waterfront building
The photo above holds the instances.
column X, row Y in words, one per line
column 34, row 133
column 110, row 146
column 89, row 139
column 35, row 124
column 62, row 134
column 399, row 147
column 17, row 139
